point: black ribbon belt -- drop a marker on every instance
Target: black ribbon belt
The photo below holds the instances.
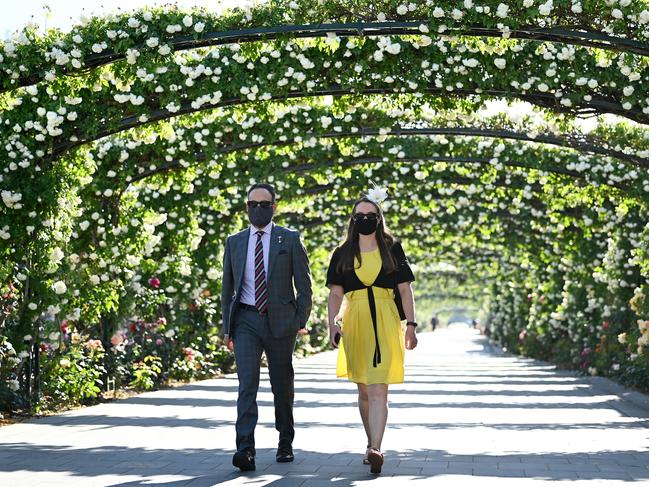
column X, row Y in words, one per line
column 377, row 349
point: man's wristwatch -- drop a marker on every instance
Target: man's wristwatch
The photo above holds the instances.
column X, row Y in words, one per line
column 412, row 323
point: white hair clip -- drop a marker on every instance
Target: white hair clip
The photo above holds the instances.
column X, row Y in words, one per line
column 377, row 195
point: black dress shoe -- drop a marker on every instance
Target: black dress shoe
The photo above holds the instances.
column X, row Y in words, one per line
column 285, row 454
column 244, row 460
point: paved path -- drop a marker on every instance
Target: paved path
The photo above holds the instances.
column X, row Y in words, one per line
column 467, row 415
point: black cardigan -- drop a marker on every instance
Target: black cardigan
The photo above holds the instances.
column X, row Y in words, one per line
column 350, row 281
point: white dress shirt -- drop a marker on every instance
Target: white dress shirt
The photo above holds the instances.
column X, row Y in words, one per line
column 248, row 286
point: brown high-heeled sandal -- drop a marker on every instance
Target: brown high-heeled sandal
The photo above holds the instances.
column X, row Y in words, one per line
column 375, row 457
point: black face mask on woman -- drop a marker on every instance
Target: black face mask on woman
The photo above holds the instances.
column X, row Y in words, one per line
column 366, row 226
column 259, row 216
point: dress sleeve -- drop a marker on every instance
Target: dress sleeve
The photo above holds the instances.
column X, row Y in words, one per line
column 404, row 273
column 333, row 276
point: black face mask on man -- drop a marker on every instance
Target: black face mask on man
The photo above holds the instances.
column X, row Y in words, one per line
column 366, row 226
column 260, row 216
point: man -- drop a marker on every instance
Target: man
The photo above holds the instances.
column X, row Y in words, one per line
column 262, row 311
column 434, row 321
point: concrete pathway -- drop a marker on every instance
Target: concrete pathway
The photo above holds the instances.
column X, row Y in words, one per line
column 467, row 415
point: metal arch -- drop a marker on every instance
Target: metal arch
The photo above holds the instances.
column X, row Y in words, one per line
column 466, row 131
column 563, row 35
column 376, row 160
column 541, row 99
column 459, row 131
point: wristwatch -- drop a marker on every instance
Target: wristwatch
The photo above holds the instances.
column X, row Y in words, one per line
column 412, row 323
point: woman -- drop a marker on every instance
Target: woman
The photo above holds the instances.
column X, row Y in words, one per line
column 366, row 269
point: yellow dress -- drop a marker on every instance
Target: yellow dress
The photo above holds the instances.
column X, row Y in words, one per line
column 356, row 353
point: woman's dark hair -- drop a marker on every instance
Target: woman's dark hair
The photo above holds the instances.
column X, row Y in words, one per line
column 265, row 186
column 351, row 249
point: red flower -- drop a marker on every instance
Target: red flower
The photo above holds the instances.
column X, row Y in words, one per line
column 132, row 327
column 64, row 327
column 154, row 282
column 606, row 325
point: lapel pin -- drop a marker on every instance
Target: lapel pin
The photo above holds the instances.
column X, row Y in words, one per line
column 279, row 239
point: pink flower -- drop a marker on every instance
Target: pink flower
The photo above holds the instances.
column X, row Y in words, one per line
column 117, row 339
column 154, row 282
column 159, row 342
column 94, row 345
column 189, row 353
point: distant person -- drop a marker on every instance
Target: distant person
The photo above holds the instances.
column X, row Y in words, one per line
column 434, row 322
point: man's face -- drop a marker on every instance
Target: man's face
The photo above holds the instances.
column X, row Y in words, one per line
column 261, row 197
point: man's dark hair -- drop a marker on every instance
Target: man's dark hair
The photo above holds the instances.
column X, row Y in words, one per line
column 265, row 186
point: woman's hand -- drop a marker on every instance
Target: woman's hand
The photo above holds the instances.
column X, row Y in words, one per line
column 410, row 338
column 333, row 331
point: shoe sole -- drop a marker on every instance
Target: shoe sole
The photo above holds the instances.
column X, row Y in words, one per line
column 376, row 462
column 284, row 460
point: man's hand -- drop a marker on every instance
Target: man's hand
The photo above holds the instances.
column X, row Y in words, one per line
column 228, row 342
column 302, row 331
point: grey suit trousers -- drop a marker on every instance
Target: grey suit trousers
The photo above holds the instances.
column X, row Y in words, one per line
column 252, row 335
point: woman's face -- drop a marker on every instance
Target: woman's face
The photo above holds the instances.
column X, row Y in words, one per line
column 366, row 208
column 366, row 218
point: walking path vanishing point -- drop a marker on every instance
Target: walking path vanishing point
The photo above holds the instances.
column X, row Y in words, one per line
column 467, row 415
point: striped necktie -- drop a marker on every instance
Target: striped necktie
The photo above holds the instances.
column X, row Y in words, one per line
column 261, row 294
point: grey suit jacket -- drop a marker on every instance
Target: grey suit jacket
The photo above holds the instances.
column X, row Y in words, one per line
column 288, row 264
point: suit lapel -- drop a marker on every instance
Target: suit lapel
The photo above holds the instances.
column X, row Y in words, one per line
column 276, row 243
column 241, row 255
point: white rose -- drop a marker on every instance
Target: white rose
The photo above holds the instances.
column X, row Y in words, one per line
column 546, row 8
column 56, row 255
column 402, row 10
column 199, row 27
column 152, row 42
column 94, row 279
column 394, row 48
column 500, row 63
column 438, row 12
column 502, row 10
column 59, row 287
column 644, row 17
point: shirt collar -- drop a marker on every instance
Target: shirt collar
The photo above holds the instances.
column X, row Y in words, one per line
column 267, row 229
